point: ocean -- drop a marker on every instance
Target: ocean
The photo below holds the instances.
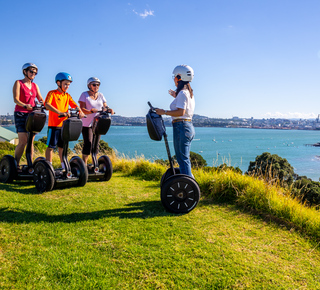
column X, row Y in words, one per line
column 234, row 146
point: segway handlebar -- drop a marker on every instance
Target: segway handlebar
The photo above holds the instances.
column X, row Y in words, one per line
column 39, row 106
column 151, row 107
column 105, row 110
column 73, row 113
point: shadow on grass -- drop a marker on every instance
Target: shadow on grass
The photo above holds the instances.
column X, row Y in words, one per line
column 142, row 210
column 21, row 186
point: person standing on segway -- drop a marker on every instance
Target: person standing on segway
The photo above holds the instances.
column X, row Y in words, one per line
column 25, row 92
column 181, row 111
column 91, row 102
column 58, row 102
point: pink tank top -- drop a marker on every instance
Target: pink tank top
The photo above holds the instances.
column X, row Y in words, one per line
column 27, row 96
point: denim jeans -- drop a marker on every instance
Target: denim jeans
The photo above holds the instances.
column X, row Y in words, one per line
column 183, row 133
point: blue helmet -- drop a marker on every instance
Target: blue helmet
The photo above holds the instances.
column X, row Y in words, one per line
column 63, row 76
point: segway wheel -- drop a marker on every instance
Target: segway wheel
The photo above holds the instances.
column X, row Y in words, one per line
column 180, row 194
column 8, row 169
column 105, row 166
column 43, row 176
column 79, row 170
column 168, row 174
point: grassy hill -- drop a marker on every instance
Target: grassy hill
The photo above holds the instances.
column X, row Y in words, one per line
column 244, row 234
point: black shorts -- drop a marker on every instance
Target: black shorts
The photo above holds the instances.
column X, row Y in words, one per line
column 54, row 137
column 20, row 120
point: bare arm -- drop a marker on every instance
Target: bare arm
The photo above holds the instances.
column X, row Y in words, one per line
column 53, row 109
column 83, row 108
column 109, row 109
column 39, row 96
column 16, row 96
column 174, row 113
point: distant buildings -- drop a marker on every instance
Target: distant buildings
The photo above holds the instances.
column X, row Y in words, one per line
column 203, row 121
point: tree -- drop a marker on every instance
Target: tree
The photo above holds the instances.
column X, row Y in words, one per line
column 272, row 167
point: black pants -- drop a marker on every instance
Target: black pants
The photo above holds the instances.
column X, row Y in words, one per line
column 87, row 141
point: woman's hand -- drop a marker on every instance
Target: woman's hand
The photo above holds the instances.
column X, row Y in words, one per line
column 172, row 93
column 28, row 107
column 160, row 111
column 81, row 114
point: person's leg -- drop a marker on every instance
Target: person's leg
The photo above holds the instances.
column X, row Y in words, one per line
column 60, row 144
column 49, row 154
column 87, row 143
column 183, row 135
column 52, row 140
column 20, row 124
column 22, row 142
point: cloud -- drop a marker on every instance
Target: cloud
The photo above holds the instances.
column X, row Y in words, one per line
column 290, row 115
column 145, row 14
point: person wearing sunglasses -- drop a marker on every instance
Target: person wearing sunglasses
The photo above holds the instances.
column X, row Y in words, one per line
column 181, row 112
column 91, row 102
column 25, row 92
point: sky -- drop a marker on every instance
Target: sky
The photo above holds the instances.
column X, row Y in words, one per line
column 251, row 58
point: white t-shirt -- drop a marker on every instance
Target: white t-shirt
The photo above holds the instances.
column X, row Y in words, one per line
column 183, row 101
column 90, row 103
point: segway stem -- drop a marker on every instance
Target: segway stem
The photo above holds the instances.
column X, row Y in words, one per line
column 168, row 152
column 94, row 150
column 29, row 148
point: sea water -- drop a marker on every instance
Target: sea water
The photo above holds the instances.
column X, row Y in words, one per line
column 233, row 146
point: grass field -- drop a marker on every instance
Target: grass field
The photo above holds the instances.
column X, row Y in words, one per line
column 117, row 235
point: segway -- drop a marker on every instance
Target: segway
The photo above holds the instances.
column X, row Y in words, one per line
column 8, row 165
column 180, row 193
column 100, row 168
column 75, row 173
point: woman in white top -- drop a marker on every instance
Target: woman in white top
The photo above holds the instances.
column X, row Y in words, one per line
column 181, row 111
column 91, row 102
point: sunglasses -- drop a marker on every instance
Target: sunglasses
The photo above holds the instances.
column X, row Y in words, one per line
column 95, row 85
column 32, row 72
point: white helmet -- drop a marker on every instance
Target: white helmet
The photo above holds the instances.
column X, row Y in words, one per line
column 184, row 71
column 91, row 80
column 29, row 64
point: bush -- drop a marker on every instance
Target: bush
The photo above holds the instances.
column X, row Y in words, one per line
column 43, row 139
column 103, row 147
column 7, row 146
column 224, row 167
column 197, row 161
column 272, row 167
column 39, row 147
column 307, row 191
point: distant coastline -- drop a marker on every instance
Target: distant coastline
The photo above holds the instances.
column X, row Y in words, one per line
column 203, row 121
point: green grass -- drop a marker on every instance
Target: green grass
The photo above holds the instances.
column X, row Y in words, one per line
column 117, row 235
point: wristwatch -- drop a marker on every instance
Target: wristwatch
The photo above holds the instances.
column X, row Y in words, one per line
column 25, row 106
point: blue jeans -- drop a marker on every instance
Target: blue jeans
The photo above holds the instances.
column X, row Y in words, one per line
column 183, row 133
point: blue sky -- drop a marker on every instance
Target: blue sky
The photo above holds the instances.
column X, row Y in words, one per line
column 252, row 58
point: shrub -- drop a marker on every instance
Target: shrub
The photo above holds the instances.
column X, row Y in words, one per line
column 307, row 191
column 43, row 139
column 103, row 147
column 39, row 147
column 272, row 168
column 7, row 146
column 197, row 161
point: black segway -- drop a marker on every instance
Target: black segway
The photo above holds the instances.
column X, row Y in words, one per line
column 180, row 193
column 100, row 168
column 8, row 165
column 75, row 173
